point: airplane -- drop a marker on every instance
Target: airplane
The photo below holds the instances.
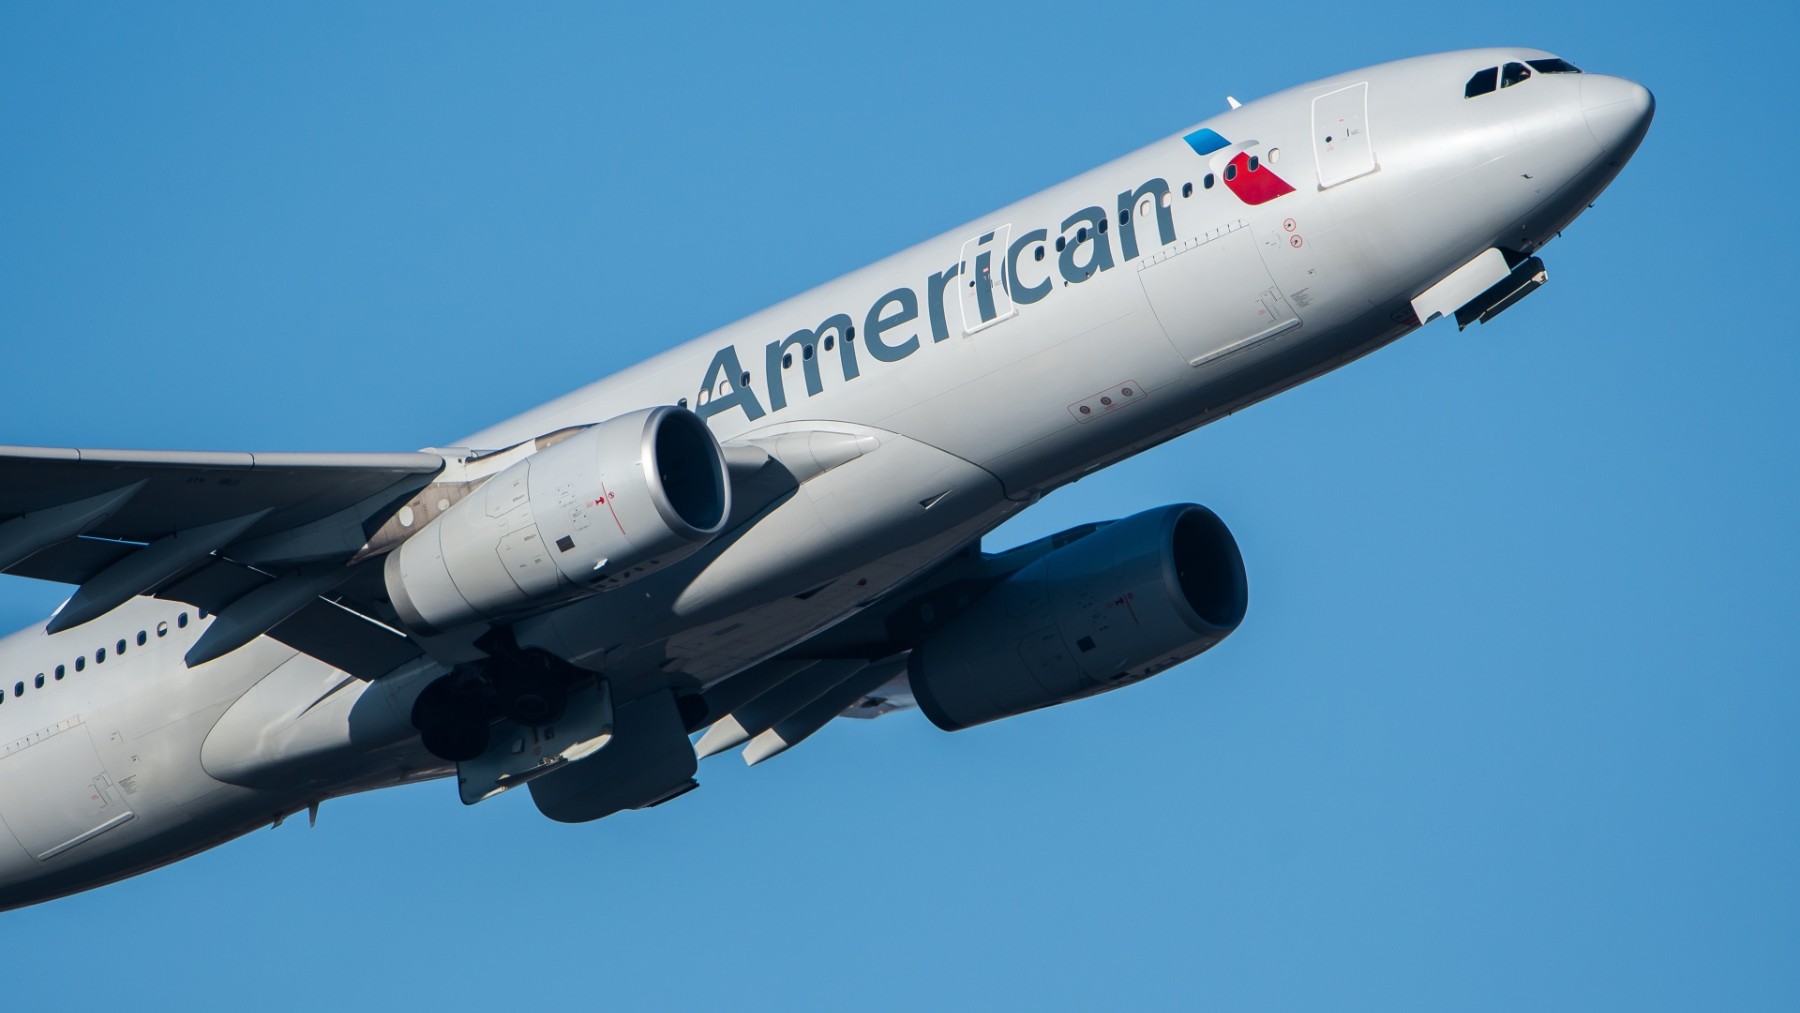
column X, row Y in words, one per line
column 776, row 524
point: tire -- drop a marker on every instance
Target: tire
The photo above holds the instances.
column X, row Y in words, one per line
column 457, row 739
column 452, row 724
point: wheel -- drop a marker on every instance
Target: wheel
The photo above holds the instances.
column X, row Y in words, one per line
column 457, row 739
column 452, row 723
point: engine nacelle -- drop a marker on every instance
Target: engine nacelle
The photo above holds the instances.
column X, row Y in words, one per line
column 1133, row 598
column 606, row 506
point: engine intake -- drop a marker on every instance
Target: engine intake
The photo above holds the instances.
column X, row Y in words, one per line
column 1132, row 599
column 606, row 506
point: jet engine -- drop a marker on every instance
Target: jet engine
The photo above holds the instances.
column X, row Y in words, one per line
column 1131, row 599
column 616, row 501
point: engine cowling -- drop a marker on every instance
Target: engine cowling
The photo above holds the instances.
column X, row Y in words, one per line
column 1132, row 599
column 606, row 506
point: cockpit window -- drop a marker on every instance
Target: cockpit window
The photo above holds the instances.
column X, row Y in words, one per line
column 1481, row 83
column 1554, row 65
column 1512, row 74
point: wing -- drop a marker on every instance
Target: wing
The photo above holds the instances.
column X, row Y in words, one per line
column 286, row 545
column 262, row 539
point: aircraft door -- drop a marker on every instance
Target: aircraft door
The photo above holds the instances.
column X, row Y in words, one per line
column 1217, row 297
column 986, row 292
column 55, row 794
column 1341, row 144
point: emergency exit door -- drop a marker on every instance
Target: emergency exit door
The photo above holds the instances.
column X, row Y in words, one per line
column 986, row 299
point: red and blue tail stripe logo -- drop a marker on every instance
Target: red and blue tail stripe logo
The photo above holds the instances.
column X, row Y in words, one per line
column 1247, row 178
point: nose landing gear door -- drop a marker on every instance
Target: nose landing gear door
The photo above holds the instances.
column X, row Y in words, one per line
column 1341, row 144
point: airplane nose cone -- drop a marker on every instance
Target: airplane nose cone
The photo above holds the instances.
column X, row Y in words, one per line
column 1618, row 113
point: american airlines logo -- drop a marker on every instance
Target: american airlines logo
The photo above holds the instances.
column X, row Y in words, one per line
column 1029, row 268
column 1244, row 175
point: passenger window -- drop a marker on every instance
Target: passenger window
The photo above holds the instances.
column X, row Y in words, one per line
column 1061, row 242
column 1231, row 172
column 18, row 689
column 162, row 628
column 1482, row 83
column 1207, row 182
column 1187, row 189
column 681, row 403
column 81, row 663
column 60, row 670
column 39, row 681
column 1554, row 65
column 142, row 638
column 100, row 656
column 181, row 620
column 1255, row 163
column 1513, row 74
column 121, row 647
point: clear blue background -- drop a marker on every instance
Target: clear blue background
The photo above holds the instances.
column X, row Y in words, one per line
column 1511, row 724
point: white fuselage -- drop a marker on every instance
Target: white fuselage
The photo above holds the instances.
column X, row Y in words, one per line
column 986, row 365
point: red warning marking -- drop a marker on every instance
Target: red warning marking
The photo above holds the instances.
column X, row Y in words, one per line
column 1296, row 242
column 1289, row 224
column 607, row 497
column 1125, row 600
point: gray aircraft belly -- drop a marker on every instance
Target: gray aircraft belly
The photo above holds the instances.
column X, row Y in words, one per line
column 101, row 772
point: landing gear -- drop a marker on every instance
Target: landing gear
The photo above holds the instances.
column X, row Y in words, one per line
column 530, row 687
column 455, row 714
column 529, row 691
column 453, row 721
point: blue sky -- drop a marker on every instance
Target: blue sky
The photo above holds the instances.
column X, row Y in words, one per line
column 1511, row 723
